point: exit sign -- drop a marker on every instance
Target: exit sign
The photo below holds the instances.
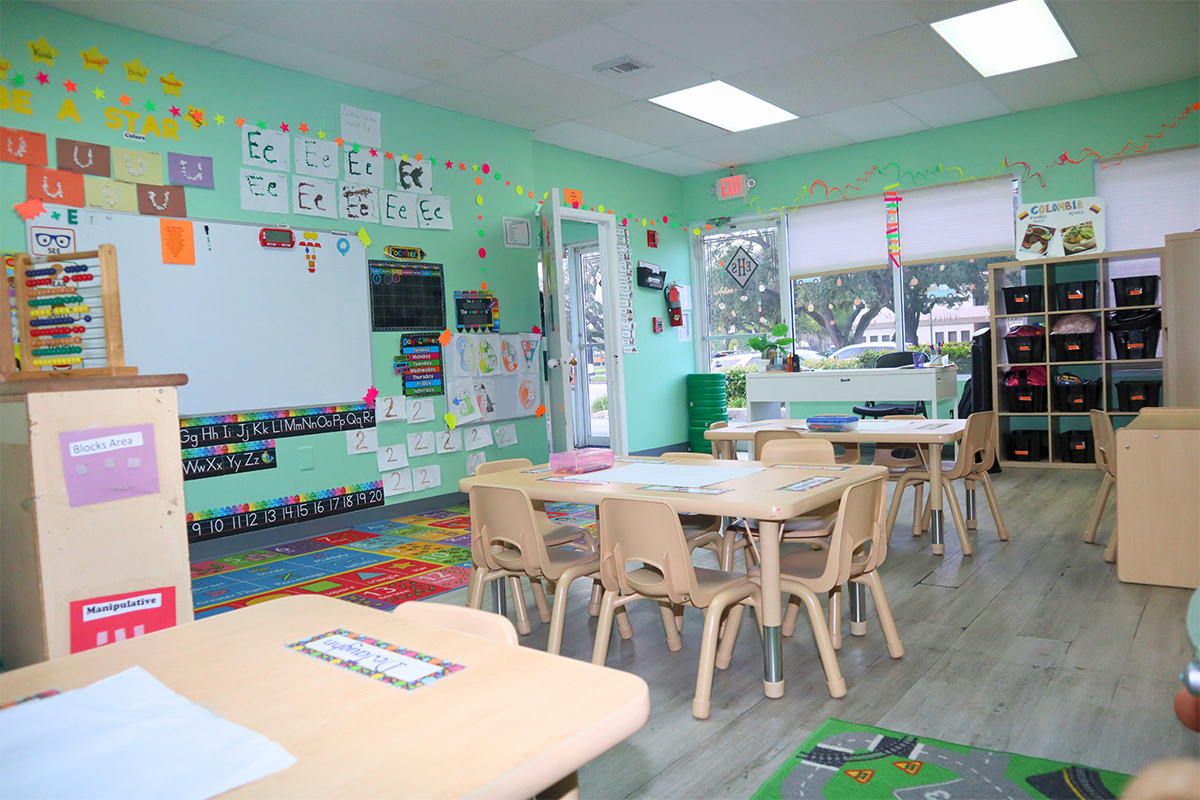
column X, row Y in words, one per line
column 733, row 187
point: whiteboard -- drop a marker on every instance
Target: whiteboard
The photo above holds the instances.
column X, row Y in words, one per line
column 251, row 327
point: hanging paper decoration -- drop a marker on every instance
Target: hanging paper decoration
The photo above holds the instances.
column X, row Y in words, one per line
column 891, row 204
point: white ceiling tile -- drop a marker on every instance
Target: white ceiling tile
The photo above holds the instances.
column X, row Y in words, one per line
column 903, row 62
column 515, row 80
column 806, row 86
column 231, row 11
column 152, row 18
column 874, row 121
column 603, row 9
column 953, row 105
column 456, row 99
column 938, row 10
column 828, row 24
column 1047, row 85
column 673, row 163
column 575, row 136
column 731, row 150
column 718, row 37
column 797, row 136
column 1094, row 26
column 656, row 125
column 508, row 26
column 1130, row 66
column 576, row 52
column 268, row 50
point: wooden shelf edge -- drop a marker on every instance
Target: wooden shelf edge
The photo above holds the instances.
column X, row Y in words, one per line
column 12, row 385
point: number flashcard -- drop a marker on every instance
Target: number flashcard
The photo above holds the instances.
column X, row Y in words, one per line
column 390, row 409
column 426, row 478
column 506, row 435
column 396, row 482
column 450, row 441
column 364, row 440
column 392, row 456
column 473, row 462
column 419, row 409
column 421, row 444
column 478, row 437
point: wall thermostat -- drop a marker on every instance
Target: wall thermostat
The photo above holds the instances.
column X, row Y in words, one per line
column 276, row 237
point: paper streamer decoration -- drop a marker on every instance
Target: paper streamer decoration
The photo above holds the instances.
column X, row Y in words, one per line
column 891, row 204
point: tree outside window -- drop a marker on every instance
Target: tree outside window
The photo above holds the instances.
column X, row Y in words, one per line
column 736, row 312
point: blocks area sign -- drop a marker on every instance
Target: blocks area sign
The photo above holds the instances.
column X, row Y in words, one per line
column 103, row 620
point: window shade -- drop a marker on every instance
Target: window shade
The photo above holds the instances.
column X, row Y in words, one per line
column 959, row 219
column 1147, row 197
column 835, row 236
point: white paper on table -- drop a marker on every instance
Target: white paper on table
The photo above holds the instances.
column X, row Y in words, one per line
column 391, row 456
column 419, row 409
column 398, row 481
column 872, row 425
column 421, row 444
column 449, row 441
column 390, row 409
column 426, row 478
column 477, row 437
column 506, row 435
column 666, row 474
column 363, row 440
column 128, row 737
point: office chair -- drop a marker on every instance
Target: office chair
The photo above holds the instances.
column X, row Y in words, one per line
column 901, row 358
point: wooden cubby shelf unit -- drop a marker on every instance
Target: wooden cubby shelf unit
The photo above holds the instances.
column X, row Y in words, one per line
column 1048, row 274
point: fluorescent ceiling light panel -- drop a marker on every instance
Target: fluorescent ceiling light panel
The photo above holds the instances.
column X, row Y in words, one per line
column 1007, row 38
column 725, row 106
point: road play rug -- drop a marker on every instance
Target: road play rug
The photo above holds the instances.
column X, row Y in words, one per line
column 381, row 564
column 859, row 762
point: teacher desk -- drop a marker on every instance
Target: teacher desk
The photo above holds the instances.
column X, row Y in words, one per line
column 765, row 391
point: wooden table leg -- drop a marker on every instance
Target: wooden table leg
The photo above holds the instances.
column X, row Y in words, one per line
column 770, row 612
column 937, row 522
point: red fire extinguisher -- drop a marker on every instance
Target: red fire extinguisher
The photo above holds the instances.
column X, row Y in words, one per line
column 674, row 307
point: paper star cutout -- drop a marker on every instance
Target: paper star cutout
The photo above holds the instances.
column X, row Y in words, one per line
column 451, row 420
column 540, row 410
column 363, row 237
column 219, row 119
column 240, row 121
column 355, row 148
column 304, row 127
column 171, row 84
column 134, row 71
column 18, row 79
column 175, row 112
column 339, row 141
column 475, row 168
column 98, row 92
column 126, row 100
column 449, row 164
column 262, row 126
column 43, row 78
column 444, row 339
column 92, row 59
column 420, row 159
column 369, row 397
column 283, row 126
column 404, row 156
column 196, row 115
column 57, row 214
column 150, row 106
column 388, row 155
column 30, row 208
column 374, row 152
column 42, row 51
column 320, row 134
column 71, row 86
column 5, row 66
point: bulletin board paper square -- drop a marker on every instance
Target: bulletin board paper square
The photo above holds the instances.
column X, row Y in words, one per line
column 103, row 464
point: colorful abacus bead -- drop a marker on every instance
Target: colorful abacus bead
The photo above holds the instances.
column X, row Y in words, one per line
column 57, row 362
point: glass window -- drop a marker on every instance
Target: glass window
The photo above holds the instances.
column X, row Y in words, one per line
column 735, row 311
column 952, row 290
column 939, row 337
column 952, row 336
column 844, row 308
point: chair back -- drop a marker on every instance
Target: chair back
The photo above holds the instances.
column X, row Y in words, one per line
column 898, row 358
column 764, row 436
column 886, row 454
column 689, row 456
column 868, row 524
column 459, row 618
column 1104, row 442
column 504, row 533
column 504, row 465
column 797, row 451
column 648, row 533
column 977, row 451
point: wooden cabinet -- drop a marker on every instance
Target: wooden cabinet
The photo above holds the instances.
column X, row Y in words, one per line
column 1181, row 320
column 53, row 553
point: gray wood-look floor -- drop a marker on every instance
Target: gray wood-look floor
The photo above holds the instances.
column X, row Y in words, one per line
column 1031, row 646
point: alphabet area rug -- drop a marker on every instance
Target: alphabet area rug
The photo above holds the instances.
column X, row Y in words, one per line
column 845, row 761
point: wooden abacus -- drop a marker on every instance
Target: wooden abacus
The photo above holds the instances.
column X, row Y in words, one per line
column 55, row 296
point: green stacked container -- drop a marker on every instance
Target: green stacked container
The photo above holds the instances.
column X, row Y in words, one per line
column 706, row 405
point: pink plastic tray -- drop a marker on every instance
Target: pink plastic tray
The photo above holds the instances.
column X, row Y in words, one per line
column 586, row 459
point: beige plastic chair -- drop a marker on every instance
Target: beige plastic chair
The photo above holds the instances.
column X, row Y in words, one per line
column 794, row 449
column 506, row 541
column 457, row 618
column 857, row 547
column 886, row 456
column 1105, row 446
column 976, row 455
column 644, row 556
column 555, row 535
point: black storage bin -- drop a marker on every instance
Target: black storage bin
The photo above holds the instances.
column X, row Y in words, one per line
column 1023, row 299
column 1024, row 349
column 1025, row 445
column 1136, row 395
column 1141, row 290
column 1135, row 333
column 1024, row 398
column 1072, row 347
column 1078, row 397
column 1076, row 447
column 1074, row 295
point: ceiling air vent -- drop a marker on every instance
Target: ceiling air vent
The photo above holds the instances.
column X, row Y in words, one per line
column 620, row 67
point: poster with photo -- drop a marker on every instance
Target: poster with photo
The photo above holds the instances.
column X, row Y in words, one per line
column 1060, row 228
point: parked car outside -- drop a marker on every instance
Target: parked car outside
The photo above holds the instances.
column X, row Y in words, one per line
column 852, row 350
column 723, row 361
